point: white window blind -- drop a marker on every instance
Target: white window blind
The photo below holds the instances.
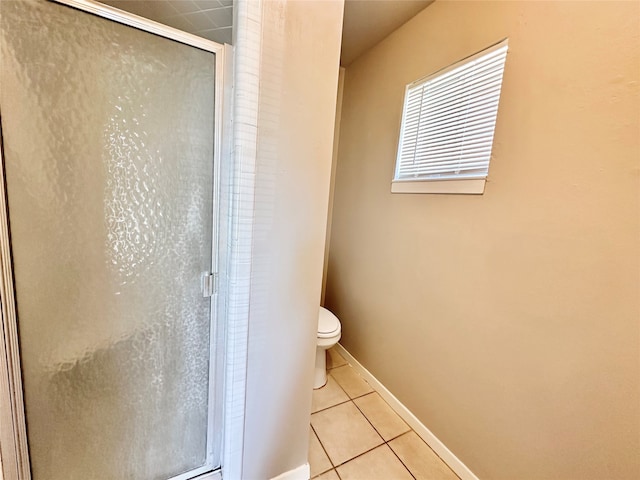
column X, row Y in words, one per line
column 449, row 119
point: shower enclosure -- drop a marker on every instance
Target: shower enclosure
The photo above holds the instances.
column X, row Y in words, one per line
column 110, row 131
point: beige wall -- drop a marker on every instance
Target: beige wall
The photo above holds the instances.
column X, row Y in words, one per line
column 297, row 100
column 507, row 322
column 332, row 184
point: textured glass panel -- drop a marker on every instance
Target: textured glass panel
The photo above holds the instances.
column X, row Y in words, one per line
column 108, row 143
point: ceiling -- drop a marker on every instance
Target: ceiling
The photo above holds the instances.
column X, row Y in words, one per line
column 366, row 22
column 211, row 19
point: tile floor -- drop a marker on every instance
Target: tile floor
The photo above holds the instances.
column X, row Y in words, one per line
column 355, row 435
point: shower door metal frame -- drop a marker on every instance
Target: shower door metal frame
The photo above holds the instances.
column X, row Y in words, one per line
column 14, row 452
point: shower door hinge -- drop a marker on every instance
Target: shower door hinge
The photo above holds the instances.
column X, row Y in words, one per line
column 209, row 284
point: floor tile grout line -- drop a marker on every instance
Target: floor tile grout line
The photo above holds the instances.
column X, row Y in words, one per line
column 409, row 429
column 337, row 366
column 439, row 457
column 340, row 387
column 323, row 449
column 338, row 383
column 357, row 396
column 360, row 396
column 359, row 455
column 386, row 442
column 348, row 396
column 327, row 408
column 398, row 456
column 404, row 433
column 359, row 376
column 335, row 467
column 374, row 427
column 400, row 435
column 429, row 447
column 323, row 472
column 370, row 422
column 330, row 470
column 400, row 460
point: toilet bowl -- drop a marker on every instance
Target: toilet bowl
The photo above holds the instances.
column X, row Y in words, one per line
column 329, row 330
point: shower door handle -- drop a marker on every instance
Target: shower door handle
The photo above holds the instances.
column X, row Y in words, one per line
column 209, row 284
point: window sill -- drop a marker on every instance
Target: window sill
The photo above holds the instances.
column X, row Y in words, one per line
column 473, row 186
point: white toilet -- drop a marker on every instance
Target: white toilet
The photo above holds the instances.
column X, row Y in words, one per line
column 329, row 330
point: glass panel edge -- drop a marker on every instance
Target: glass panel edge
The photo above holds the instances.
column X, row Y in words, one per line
column 141, row 23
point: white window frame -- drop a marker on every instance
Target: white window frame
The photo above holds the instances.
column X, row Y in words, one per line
column 464, row 184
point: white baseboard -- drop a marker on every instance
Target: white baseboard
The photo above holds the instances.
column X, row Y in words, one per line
column 303, row 472
column 430, row 439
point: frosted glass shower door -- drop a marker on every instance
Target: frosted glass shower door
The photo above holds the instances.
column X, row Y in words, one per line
column 108, row 145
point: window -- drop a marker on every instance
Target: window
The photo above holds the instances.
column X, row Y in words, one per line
column 447, row 126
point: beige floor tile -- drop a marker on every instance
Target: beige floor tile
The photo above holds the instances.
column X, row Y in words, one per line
column 318, row 460
column 344, row 432
column 387, row 422
column 423, row 463
column 378, row 464
column 334, row 359
column 330, row 475
column 328, row 396
column 350, row 381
